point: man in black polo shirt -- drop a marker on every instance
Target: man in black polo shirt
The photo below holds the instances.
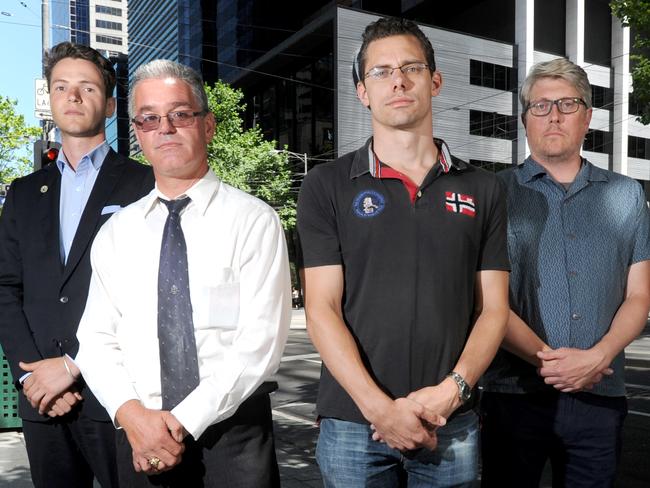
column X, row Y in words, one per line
column 406, row 282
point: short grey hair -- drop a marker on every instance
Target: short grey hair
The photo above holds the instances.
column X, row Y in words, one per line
column 557, row 68
column 165, row 68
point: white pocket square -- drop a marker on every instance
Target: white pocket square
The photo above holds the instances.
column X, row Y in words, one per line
column 109, row 209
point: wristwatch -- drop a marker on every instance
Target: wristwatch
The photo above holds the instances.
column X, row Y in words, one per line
column 464, row 390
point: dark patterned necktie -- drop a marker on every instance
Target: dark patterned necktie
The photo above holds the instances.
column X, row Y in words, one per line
column 179, row 368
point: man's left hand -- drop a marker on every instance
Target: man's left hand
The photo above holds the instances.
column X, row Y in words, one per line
column 569, row 370
column 48, row 380
column 441, row 399
column 64, row 403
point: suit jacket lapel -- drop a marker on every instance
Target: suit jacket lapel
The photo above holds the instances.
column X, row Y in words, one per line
column 48, row 198
column 108, row 176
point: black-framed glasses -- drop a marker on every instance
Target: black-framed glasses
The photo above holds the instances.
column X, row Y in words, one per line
column 180, row 118
column 567, row 105
column 384, row 72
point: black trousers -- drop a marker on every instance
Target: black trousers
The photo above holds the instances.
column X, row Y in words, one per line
column 68, row 452
column 236, row 453
column 579, row 433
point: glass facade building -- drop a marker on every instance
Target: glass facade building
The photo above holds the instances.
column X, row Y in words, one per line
column 184, row 31
column 179, row 32
column 79, row 22
column 295, row 66
column 293, row 61
column 102, row 25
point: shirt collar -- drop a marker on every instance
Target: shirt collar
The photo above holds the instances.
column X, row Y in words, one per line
column 364, row 160
column 531, row 169
column 96, row 157
column 201, row 193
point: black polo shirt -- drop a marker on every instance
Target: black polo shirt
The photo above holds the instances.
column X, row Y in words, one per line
column 409, row 256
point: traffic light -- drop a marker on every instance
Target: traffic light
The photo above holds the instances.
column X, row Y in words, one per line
column 45, row 152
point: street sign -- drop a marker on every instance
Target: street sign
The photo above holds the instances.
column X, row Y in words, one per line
column 42, row 101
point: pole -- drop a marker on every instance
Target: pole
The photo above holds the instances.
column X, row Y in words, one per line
column 45, row 32
column 45, row 24
column 305, row 156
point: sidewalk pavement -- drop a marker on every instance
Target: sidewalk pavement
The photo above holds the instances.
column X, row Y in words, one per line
column 14, row 467
column 295, row 446
column 295, row 439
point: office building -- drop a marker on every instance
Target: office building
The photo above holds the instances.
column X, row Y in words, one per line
column 102, row 25
column 183, row 31
column 295, row 67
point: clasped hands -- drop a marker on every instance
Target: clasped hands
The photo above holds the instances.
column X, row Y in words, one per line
column 152, row 434
column 571, row 370
column 51, row 385
column 411, row 422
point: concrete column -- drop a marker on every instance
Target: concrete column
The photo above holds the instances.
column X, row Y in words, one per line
column 621, row 82
column 525, row 43
column 575, row 31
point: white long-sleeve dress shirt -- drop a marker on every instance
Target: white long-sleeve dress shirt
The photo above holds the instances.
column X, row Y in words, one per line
column 240, row 292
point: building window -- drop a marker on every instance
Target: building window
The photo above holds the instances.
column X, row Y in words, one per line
column 109, row 40
column 491, row 75
column 634, row 107
column 79, row 22
column 102, row 9
column 598, row 141
column 638, row 147
column 105, row 24
column 491, row 166
column 602, row 97
column 492, row 124
column 597, row 32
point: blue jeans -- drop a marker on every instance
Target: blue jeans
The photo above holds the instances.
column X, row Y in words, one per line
column 349, row 458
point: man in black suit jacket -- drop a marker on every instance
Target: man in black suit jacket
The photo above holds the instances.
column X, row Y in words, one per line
column 49, row 221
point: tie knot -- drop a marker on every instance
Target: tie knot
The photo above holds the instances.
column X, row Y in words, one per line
column 175, row 206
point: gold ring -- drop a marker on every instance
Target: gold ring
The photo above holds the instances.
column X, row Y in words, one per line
column 154, row 462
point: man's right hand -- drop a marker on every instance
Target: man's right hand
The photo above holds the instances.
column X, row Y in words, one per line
column 47, row 382
column 570, row 369
column 404, row 424
column 151, row 435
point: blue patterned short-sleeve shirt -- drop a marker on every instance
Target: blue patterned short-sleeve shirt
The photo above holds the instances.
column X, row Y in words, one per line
column 570, row 252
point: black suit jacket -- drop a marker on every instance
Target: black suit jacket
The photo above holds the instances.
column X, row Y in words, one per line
column 41, row 300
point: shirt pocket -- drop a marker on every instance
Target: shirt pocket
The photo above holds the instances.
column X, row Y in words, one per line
column 218, row 306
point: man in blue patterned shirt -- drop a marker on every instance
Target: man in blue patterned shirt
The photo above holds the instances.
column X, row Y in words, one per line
column 579, row 244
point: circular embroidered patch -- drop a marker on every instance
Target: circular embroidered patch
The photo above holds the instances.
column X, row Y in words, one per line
column 368, row 203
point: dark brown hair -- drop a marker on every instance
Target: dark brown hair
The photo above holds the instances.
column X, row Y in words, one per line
column 391, row 26
column 78, row 51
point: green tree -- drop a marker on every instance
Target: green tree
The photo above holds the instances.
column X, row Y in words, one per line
column 636, row 14
column 242, row 158
column 15, row 135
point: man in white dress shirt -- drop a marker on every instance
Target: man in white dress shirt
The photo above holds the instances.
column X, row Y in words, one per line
column 219, row 432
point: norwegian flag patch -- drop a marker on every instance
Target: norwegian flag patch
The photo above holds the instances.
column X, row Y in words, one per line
column 459, row 203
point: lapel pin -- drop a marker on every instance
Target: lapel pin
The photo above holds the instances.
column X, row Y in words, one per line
column 44, row 189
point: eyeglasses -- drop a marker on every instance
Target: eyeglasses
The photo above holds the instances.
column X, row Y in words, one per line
column 564, row 105
column 182, row 118
column 384, row 72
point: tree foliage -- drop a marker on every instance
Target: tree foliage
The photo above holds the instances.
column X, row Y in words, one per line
column 636, row 14
column 242, row 158
column 15, row 135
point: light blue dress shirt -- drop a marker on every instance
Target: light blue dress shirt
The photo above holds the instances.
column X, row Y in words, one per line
column 75, row 191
